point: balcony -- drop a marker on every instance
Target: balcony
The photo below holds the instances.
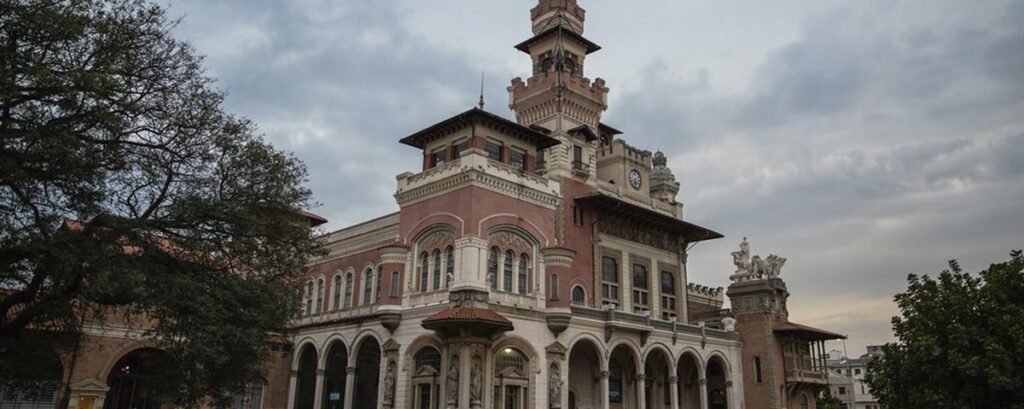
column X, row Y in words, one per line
column 580, row 167
column 644, row 324
column 814, row 377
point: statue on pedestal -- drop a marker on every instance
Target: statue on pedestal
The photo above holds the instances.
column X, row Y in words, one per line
column 453, row 381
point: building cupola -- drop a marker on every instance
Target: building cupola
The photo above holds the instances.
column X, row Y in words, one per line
column 663, row 183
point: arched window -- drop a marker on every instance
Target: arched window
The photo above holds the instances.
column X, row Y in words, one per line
column 309, row 298
column 492, row 267
column 437, row 270
column 510, row 379
column 394, row 284
column 319, row 296
column 376, row 294
column 757, row 369
column 424, row 272
column 579, row 297
column 506, row 280
column 426, row 385
column 553, row 293
column 524, row 261
column 614, row 381
column 349, row 278
column 336, row 289
column 368, row 287
column 449, row 265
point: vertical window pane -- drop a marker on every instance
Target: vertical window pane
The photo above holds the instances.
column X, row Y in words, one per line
column 348, row 289
column 394, row 284
column 639, row 276
column 336, row 289
column 507, row 277
column 578, row 296
column 437, row 269
column 609, row 270
column 517, row 159
column 449, row 267
column 492, row 267
column 493, row 149
column 523, row 261
column 368, row 287
column 424, row 272
column 309, row 298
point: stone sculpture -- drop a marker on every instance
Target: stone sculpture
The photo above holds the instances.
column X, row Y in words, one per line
column 555, row 387
column 453, row 381
column 476, row 380
column 755, row 268
column 389, row 384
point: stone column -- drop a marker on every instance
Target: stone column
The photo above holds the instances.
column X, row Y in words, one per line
column 350, row 385
column 604, row 389
column 319, row 389
column 292, row 384
column 730, row 401
column 703, row 385
column 673, row 382
column 641, row 391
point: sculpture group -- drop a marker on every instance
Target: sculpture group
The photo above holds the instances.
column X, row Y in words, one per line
column 755, row 268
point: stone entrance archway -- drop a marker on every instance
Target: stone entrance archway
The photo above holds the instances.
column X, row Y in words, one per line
column 688, row 370
column 334, row 376
column 140, row 380
column 367, row 376
column 305, row 381
column 584, row 370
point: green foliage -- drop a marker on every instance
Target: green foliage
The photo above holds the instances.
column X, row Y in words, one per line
column 128, row 194
column 960, row 341
column 825, row 400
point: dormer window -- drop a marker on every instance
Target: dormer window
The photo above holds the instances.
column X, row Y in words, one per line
column 517, row 158
column 493, row 149
column 459, row 147
column 437, row 157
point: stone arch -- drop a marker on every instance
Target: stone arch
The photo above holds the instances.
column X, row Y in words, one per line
column 517, row 342
column 361, row 337
column 717, row 384
column 307, row 362
column 139, row 379
column 634, row 349
column 689, row 371
column 334, row 338
column 368, row 354
column 334, row 361
column 716, row 354
column 660, row 346
column 495, row 221
column 124, row 350
column 298, row 347
column 456, row 223
column 423, row 341
column 585, row 362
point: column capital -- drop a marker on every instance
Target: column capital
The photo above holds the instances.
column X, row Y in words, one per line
column 728, row 383
column 602, row 374
column 702, row 381
column 673, row 379
column 320, row 372
column 641, row 377
column 351, row 370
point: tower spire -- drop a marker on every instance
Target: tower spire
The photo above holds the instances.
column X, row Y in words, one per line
column 480, row 105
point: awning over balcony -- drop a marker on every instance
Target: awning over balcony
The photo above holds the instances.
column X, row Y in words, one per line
column 805, row 332
column 611, row 205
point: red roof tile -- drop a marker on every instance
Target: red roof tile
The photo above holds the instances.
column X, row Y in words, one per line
column 467, row 314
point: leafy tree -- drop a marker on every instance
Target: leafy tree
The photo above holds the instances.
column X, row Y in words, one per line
column 960, row 341
column 825, row 400
column 128, row 194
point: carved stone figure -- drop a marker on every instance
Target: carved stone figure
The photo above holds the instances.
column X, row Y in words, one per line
column 476, row 380
column 758, row 267
column 775, row 264
column 555, row 387
column 449, row 280
column 453, row 380
column 389, row 384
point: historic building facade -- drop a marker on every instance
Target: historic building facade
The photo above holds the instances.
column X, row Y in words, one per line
column 533, row 264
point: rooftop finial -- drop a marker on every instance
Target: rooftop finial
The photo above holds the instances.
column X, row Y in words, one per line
column 480, row 105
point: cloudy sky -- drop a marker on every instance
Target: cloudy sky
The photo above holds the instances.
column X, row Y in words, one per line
column 863, row 140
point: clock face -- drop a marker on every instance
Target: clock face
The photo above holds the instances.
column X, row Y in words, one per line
column 634, row 179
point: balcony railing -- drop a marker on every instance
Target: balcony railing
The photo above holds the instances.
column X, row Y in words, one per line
column 807, row 376
column 580, row 166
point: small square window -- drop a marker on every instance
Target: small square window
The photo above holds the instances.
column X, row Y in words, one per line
column 493, row 149
column 437, row 158
column 517, row 158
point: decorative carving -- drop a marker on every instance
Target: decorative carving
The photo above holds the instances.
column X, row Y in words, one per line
column 453, row 381
column 755, row 268
column 438, row 239
column 467, row 298
column 476, row 381
column 389, row 384
column 555, row 387
column 621, row 228
column 509, row 240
